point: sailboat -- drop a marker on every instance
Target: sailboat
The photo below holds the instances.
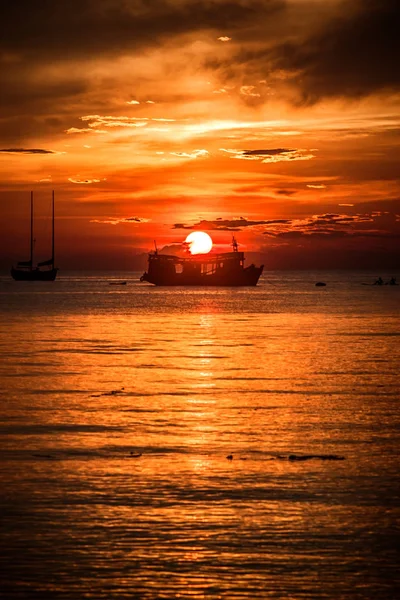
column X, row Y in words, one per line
column 43, row 271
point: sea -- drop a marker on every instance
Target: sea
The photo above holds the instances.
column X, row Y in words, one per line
column 195, row 443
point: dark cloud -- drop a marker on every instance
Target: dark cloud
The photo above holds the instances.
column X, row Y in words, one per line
column 334, row 220
column 41, row 42
column 224, row 224
column 27, row 151
column 353, row 50
column 274, row 221
column 316, row 235
column 179, row 226
column 117, row 220
column 270, row 152
column 286, row 192
column 20, row 89
column 28, row 110
column 136, row 220
column 322, row 225
column 330, row 235
column 356, row 53
column 270, row 155
column 90, row 26
column 331, row 226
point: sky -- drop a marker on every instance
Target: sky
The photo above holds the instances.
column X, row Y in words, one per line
column 277, row 121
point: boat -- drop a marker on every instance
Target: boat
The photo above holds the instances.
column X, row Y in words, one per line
column 225, row 269
column 42, row 271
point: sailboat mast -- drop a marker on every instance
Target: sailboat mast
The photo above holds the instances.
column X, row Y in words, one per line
column 52, row 235
column 31, row 259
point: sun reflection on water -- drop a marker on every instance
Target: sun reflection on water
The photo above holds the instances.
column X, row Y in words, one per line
column 190, row 449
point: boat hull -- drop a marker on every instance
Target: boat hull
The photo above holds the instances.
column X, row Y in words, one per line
column 33, row 274
column 241, row 278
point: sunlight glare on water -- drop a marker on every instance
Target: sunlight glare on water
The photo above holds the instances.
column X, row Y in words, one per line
column 199, row 443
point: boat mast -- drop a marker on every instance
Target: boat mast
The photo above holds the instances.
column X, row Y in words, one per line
column 31, row 259
column 52, row 234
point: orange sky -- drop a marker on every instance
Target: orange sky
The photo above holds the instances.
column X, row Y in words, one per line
column 278, row 121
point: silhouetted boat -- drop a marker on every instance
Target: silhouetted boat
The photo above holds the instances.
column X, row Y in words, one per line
column 225, row 269
column 26, row 270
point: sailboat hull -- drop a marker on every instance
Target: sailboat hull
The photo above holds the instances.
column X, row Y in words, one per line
column 33, row 274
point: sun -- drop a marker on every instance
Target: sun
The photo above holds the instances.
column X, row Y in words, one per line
column 199, row 242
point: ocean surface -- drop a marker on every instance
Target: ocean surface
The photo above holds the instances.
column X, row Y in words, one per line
column 161, row 443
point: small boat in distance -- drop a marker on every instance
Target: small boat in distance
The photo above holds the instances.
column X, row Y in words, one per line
column 225, row 269
column 26, row 270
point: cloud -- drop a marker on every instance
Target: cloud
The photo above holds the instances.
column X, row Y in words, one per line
column 133, row 102
column 95, row 121
column 226, row 224
column 332, row 225
column 271, row 155
column 286, row 192
column 194, row 154
column 83, row 181
column 84, row 130
column 353, row 54
column 28, row 151
column 84, row 27
column 249, row 90
column 224, row 38
column 271, row 152
column 315, row 50
column 316, row 186
column 320, row 226
column 137, row 219
column 117, row 221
